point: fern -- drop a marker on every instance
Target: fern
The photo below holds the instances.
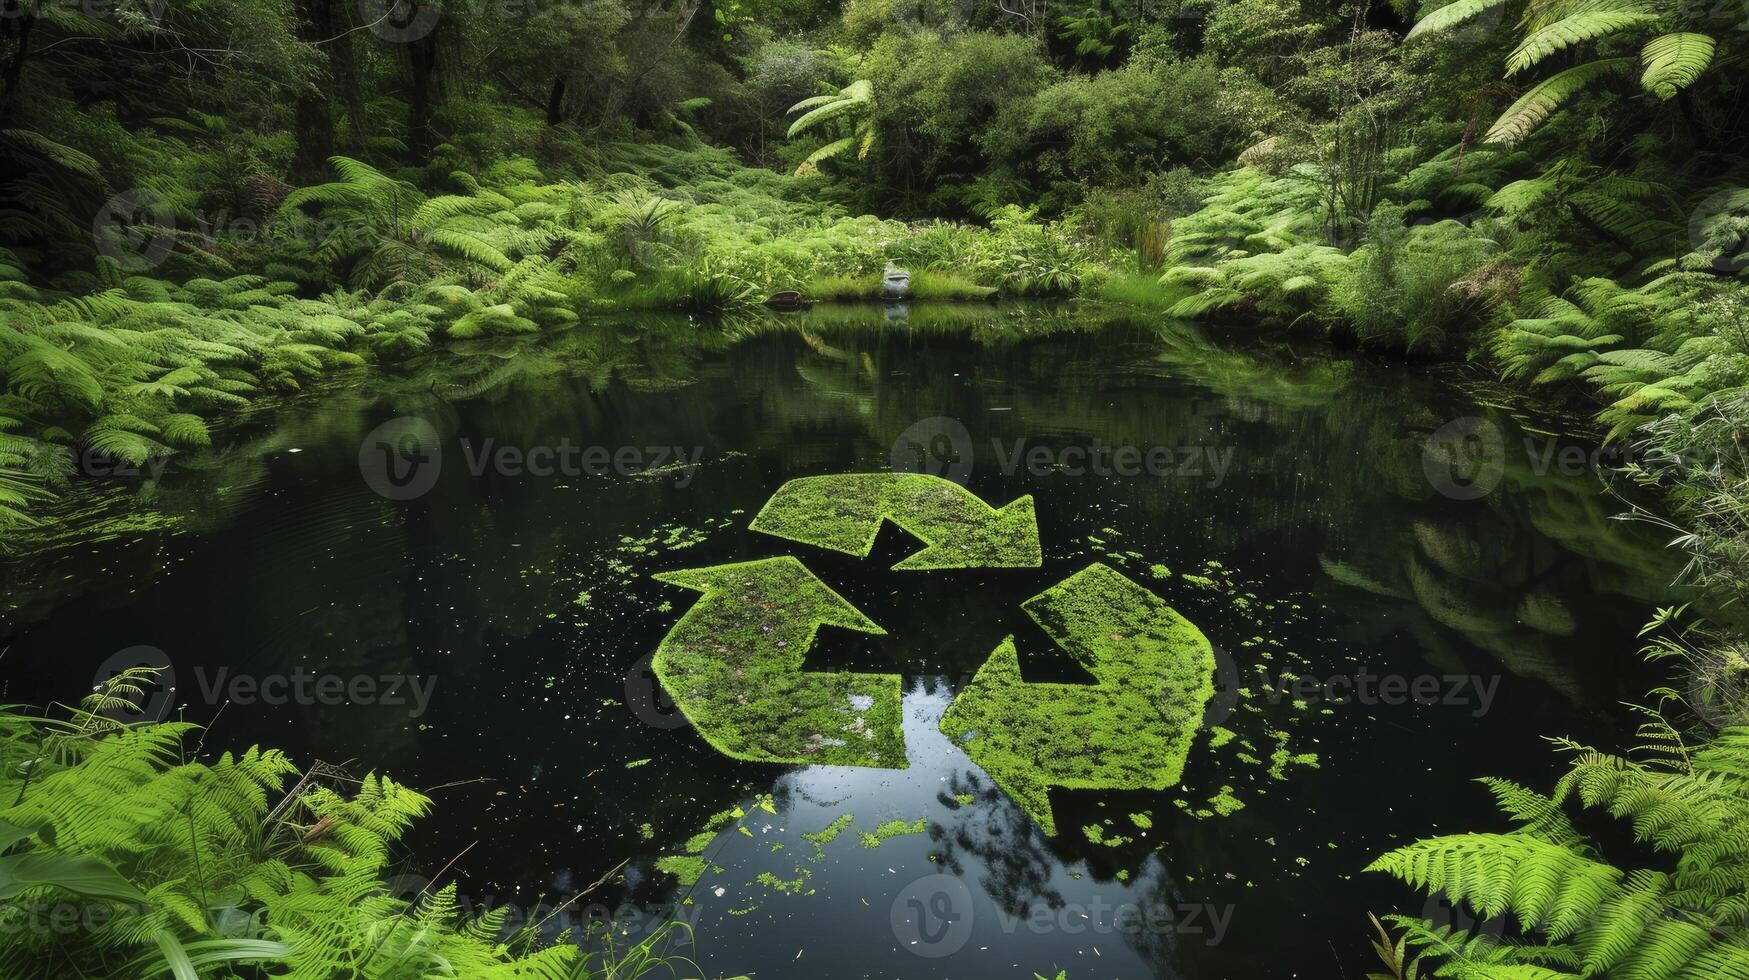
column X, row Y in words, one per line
column 1582, row 913
column 1546, row 96
column 1588, row 24
column 292, row 882
column 1674, row 61
column 1452, row 15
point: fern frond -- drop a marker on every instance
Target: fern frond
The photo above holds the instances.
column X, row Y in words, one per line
column 1546, row 96
column 1673, row 62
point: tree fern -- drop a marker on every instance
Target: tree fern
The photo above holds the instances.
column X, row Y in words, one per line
column 1586, row 24
column 1672, row 62
column 1451, row 15
column 1546, row 96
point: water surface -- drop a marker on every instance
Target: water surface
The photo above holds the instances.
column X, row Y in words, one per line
column 1294, row 521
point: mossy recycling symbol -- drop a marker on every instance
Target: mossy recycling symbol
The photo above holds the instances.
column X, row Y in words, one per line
column 742, row 647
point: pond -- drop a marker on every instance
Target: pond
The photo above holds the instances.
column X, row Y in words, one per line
column 1392, row 617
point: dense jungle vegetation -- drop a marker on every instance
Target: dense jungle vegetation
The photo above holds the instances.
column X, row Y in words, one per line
column 207, row 203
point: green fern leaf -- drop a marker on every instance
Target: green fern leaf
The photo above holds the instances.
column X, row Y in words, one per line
column 1674, row 61
column 1451, row 15
column 1546, row 96
column 1585, row 25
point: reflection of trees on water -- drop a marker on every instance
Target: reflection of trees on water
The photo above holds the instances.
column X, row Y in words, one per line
column 1018, row 867
column 1328, row 457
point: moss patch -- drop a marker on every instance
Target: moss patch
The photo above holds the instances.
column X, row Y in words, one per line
column 733, row 664
column 1131, row 730
column 891, row 829
column 827, row 834
column 958, row 530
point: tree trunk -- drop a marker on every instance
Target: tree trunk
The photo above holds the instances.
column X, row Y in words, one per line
column 314, row 113
column 556, row 102
column 19, row 21
column 343, row 61
column 422, row 57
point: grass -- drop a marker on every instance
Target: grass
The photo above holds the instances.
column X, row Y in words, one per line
column 1143, row 291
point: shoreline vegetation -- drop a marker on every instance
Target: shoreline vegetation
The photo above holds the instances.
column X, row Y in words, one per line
column 210, row 206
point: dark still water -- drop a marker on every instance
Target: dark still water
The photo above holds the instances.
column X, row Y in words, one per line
column 485, row 634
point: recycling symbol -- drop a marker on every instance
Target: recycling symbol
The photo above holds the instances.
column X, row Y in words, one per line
column 734, row 662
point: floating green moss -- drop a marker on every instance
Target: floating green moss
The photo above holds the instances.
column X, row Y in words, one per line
column 1131, row 730
column 844, row 513
column 733, row 664
column 1225, row 803
column 788, row 886
column 1096, row 833
column 827, row 834
column 891, row 829
column 683, row 866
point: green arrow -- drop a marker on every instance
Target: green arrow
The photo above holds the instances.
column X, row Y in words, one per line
column 1130, row 730
column 958, row 530
column 733, row 665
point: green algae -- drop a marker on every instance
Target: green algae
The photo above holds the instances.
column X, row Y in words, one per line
column 687, row 868
column 891, row 829
column 733, row 664
column 827, row 834
column 844, row 513
column 1097, row 834
column 1226, row 803
column 1131, row 730
column 788, row 886
column 690, row 865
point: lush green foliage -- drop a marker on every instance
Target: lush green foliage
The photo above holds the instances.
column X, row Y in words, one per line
column 209, row 203
column 129, row 852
